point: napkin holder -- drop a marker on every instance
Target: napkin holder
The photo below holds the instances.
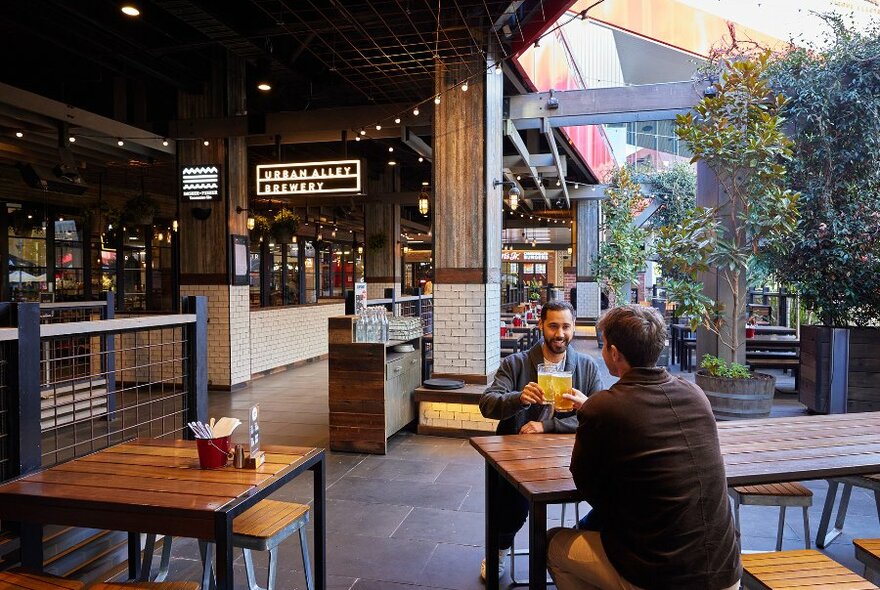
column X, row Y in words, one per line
column 255, row 461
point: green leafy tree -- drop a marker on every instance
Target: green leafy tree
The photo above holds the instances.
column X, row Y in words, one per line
column 622, row 254
column 834, row 111
column 737, row 131
column 677, row 187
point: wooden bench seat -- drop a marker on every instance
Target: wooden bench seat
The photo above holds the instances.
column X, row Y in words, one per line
column 22, row 579
column 805, row 569
column 145, row 586
column 868, row 552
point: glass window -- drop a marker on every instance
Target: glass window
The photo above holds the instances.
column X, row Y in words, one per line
column 69, row 275
column 276, row 296
column 27, row 254
column 135, row 269
column 255, row 262
column 162, row 279
column 309, row 277
column 291, row 285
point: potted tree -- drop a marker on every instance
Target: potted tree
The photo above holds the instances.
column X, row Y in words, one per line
column 737, row 131
column 622, row 253
column 833, row 261
column 284, row 225
column 140, row 210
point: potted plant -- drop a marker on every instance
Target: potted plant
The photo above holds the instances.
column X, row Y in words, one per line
column 284, row 225
column 833, row 260
column 140, row 210
column 262, row 228
column 737, row 131
column 102, row 218
column 731, row 389
column 377, row 242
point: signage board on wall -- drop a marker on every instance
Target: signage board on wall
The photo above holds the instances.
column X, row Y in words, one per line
column 518, row 255
column 200, row 182
column 309, row 178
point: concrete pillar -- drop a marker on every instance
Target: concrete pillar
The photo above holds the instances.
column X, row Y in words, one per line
column 205, row 243
column 467, row 230
column 585, row 251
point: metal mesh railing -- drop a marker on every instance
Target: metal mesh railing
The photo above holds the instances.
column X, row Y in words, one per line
column 6, row 470
column 422, row 307
column 55, row 313
column 99, row 390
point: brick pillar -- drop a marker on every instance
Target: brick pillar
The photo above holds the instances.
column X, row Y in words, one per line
column 467, row 234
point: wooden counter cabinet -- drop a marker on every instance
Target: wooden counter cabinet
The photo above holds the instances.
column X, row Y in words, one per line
column 371, row 388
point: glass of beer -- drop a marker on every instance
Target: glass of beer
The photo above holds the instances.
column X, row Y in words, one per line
column 546, row 373
column 562, row 384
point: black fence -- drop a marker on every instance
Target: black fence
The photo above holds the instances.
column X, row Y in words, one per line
column 74, row 380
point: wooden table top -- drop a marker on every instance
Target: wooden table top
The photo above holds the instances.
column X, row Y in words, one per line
column 755, row 451
column 141, row 478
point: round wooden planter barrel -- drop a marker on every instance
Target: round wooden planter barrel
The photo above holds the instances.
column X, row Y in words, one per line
column 735, row 399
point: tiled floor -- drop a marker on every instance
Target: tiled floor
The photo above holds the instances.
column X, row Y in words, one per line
column 414, row 517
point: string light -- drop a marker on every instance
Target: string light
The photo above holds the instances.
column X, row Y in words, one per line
column 437, row 99
column 120, row 143
column 19, row 134
column 464, row 87
column 165, row 142
column 416, row 111
column 206, row 143
column 397, row 120
column 378, row 127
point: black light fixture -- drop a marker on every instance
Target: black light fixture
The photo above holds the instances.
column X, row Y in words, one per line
column 251, row 221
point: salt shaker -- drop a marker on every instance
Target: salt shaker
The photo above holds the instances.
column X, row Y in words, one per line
column 238, row 458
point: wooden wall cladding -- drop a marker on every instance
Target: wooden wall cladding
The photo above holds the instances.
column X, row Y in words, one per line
column 863, row 392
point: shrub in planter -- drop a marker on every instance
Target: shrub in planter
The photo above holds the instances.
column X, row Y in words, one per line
column 284, row 225
column 262, row 228
column 140, row 210
column 733, row 391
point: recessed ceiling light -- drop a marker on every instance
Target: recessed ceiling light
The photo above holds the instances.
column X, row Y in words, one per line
column 130, row 10
column 71, row 139
column 120, row 143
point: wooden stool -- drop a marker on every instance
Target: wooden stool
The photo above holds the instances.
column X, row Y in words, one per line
column 22, row 579
column 145, row 586
column 798, row 569
column 868, row 552
column 774, row 494
column 262, row 527
column 870, row 482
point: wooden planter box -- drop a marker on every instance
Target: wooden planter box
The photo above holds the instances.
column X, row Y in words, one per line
column 862, row 369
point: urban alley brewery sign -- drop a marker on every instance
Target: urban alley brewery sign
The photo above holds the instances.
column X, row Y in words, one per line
column 309, row 178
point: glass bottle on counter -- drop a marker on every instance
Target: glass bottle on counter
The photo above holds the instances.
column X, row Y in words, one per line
column 385, row 324
column 360, row 328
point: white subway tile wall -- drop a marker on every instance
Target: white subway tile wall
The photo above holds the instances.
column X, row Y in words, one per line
column 285, row 335
column 467, row 327
column 219, row 343
column 588, row 300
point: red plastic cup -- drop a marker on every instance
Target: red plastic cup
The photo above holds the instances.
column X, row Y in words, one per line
column 213, row 452
column 750, row 332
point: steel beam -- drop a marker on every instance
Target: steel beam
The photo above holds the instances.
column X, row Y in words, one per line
column 515, row 138
column 551, row 141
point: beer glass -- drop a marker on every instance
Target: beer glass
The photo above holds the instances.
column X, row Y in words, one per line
column 562, row 384
column 546, row 372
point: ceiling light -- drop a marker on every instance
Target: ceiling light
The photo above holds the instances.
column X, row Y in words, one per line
column 464, row 87
column 206, row 143
column 558, row 183
column 416, row 111
column 425, row 183
column 392, row 163
column 518, row 177
column 378, row 127
column 363, row 131
column 357, row 137
column 397, row 120
column 437, row 99
column 421, row 159
column 71, row 139
column 264, row 86
column 120, row 143
column 130, row 10
column 424, row 204
column 576, row 186
column 165, row 142
column 390, row 149
column 19, row 134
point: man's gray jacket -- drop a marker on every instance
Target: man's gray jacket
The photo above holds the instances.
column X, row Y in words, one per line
column 501, row 400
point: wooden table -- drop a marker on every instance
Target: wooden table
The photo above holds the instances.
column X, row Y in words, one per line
column 770, row 450
column 156, row 486
column 513, row 343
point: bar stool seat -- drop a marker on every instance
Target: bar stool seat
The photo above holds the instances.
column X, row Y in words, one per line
column 782, row 495
column 868, row 552
column 23, row 579
column 798, row 569
column 262, row 528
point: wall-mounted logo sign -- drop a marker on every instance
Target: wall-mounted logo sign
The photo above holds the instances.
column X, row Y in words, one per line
column 200, row 182
column 517, row 255
column 309, row 178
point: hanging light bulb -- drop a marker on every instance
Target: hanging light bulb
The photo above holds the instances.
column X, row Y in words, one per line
column 206, row 143
column 120, row 143
column 437, row 99
column 251, row 223
column 390, row 149
column 498, row 69
column 71, row 139
column 357, row 137
column 19, row 134
column 558, row 183
column 421, row 159
column 363, row 131
column 378, row 127
column 416, row 111
column 174, row 225
column 397, row 120
column 569, row 250
column 165, row 142
column 294, row 240
column 464, row 87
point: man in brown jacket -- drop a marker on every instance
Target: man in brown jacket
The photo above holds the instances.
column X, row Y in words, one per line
column 647, row 459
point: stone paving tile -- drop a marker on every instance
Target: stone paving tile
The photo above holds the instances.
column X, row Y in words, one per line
column 379, row 467
column 404, row 493
column 445, row 526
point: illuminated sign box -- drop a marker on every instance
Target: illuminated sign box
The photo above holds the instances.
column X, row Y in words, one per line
column 200, row 182
column 309, row 178
column 516, row 255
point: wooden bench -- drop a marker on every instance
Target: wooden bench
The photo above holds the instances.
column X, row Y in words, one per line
column 806, row 568
column 22, row 579
column 145, row 586
column 778, row 362
column 868, row 552
column 774, row 494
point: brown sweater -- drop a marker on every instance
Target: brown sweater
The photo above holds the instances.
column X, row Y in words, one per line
column 647, row 459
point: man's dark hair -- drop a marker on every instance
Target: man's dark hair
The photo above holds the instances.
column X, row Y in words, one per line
column 638, row 332
column 556, row 305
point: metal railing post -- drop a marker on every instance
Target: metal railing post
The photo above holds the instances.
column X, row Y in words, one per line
column 24, row 378
column 108, row 355
column 197, row 358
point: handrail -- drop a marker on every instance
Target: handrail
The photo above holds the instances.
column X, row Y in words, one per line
column 115, row 325
column 73, row 304
column 7, row 334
